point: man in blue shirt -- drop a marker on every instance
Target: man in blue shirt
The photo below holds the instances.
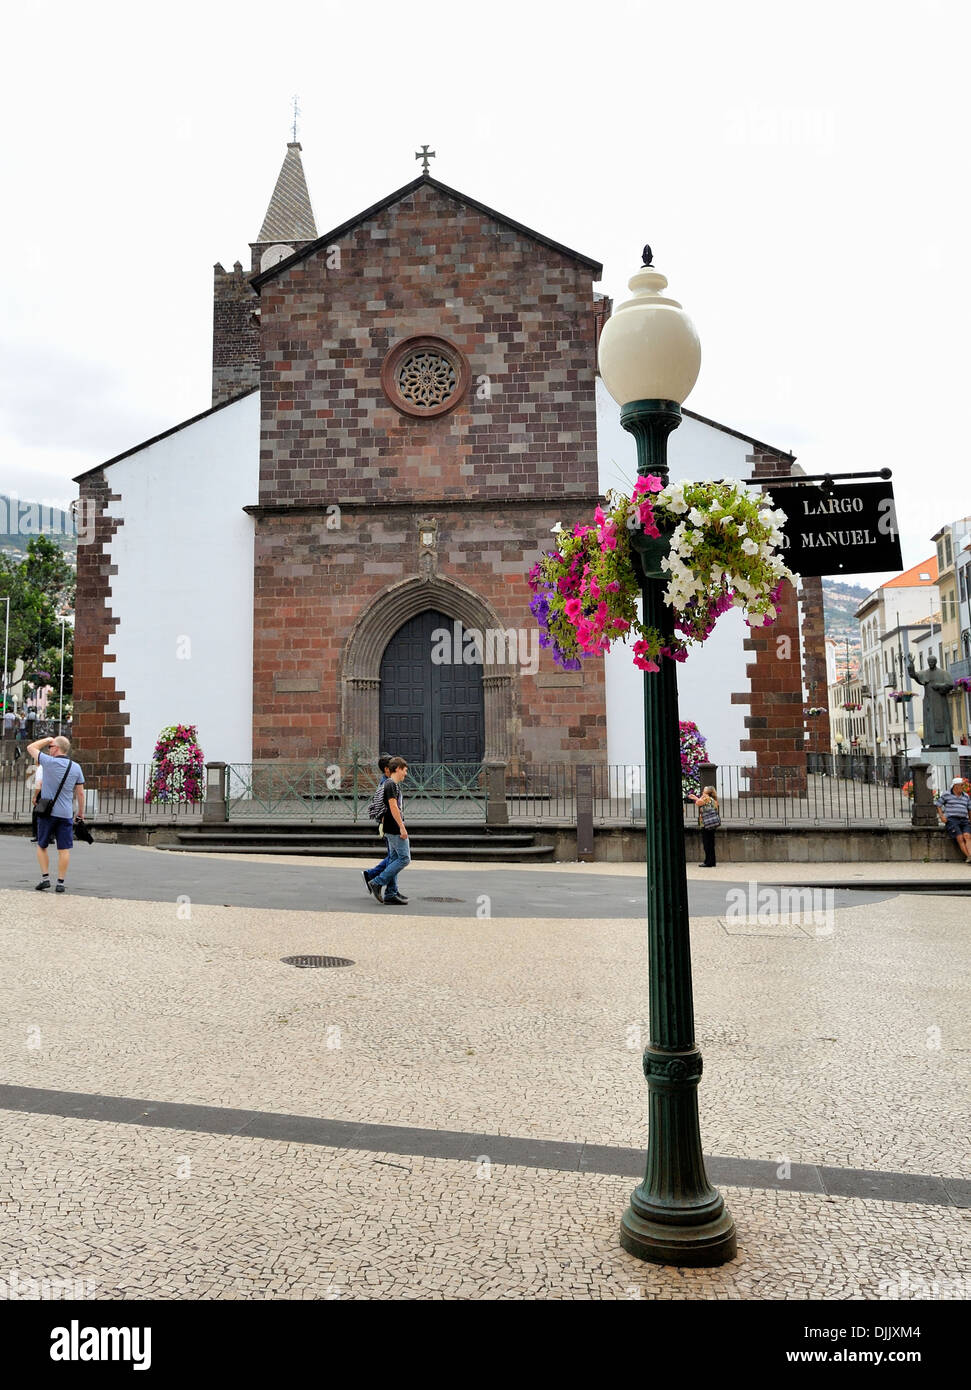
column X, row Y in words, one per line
column 954, row 813
column 63, row 780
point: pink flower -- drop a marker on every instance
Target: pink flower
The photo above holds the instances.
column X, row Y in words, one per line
column 598, row 516
column 573, row 609
column 641, row 659
column 650, row 483
column 580, row 531
column 613, row 587
column 594, row 587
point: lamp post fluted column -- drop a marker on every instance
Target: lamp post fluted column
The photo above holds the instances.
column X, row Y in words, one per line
column 649, row 360
column 675, row 1215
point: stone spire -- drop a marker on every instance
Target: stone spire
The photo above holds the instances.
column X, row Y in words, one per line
column 289, row 218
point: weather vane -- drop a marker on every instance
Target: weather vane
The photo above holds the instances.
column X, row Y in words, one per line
column 424, row 154
column 296, row 113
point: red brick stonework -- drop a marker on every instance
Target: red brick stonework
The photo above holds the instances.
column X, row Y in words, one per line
column 814, row 663
column 775, row 720
column 515, row 455
column 100, row 735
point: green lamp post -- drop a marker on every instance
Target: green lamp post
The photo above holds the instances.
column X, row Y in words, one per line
column 649, row 361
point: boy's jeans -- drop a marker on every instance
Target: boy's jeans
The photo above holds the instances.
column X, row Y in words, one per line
column 373, row 873
column 399, row 855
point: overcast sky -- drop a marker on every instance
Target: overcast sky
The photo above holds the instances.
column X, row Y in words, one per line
column 801, row 172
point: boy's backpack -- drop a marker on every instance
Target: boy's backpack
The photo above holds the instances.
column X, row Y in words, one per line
column 375, row 809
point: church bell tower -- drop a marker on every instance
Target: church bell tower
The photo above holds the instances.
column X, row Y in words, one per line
column 287, row 227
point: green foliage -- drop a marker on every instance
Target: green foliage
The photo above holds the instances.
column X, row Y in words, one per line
column 40, row 586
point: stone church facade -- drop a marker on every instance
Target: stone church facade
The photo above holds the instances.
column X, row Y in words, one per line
column 401, row 410
column 426, row 380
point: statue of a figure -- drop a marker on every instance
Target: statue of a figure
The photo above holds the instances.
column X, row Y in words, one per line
column 938, row 686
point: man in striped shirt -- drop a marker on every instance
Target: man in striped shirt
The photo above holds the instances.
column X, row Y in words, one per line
column 954, row 813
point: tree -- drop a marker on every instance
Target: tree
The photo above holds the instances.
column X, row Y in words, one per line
column 40, row 587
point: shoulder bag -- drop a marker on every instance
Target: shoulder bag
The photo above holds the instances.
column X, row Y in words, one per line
column 46, row 805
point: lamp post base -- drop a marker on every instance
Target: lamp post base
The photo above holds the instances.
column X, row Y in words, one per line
column 710, row 1243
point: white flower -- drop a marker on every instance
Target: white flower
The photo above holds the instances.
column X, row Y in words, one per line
column 695, row 517
column 557, row 528
column 673, row 498
column 750, row 547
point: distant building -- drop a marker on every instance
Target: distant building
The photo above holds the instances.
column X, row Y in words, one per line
column 950, row 541
column 889, row 619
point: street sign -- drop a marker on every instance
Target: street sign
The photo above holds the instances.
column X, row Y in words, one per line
column 839, row 527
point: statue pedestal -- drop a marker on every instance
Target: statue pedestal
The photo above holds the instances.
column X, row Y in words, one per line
column 944, row 764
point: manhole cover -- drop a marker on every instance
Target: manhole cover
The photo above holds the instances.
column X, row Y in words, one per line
column 315, row 962
column 443, row 900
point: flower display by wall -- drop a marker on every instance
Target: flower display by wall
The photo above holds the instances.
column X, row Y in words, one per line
column 178, row 767
column 812, row 711
column 723, row 539
column 962, row 683
column 852, row 706
column 908, row 790
column 694, row 752
column 901, row 696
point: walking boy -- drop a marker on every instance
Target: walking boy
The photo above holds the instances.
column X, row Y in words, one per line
column 63, row 781
column 393, row 826
column 368, row 874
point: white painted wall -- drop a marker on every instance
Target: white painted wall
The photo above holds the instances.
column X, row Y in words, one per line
column 185, row 570
column 715, row 669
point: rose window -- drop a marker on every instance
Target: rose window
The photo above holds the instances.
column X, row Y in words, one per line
column 425, row 376
column 426, row 379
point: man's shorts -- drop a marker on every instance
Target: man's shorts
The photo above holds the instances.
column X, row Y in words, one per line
column 955, row 826
column 55, row 827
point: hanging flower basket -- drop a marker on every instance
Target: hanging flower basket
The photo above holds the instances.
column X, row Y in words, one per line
column 694, row 752
column 908, row 790
column 813, row 711
column 852, row 707
column 962, row 683
column 901, row 696
column 178, row 767
column 717, row 544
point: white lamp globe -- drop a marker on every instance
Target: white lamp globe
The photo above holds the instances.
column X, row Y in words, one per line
column 649, row 348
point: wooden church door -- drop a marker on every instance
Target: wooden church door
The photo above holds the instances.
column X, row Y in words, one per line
column 431, row 712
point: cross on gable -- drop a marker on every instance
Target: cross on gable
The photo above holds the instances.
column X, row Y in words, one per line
column 425, row 154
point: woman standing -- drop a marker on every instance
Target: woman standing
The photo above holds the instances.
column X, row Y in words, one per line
column 709, row 819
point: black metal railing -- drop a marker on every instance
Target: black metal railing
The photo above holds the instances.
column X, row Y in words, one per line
column 113, row 794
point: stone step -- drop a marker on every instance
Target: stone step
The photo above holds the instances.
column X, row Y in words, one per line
column 359, row 837
column 446, row 850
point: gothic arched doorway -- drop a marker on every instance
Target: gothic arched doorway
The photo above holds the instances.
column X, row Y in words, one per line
column 432, row 708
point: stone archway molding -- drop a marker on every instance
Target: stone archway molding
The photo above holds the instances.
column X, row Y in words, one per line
column 374, row 629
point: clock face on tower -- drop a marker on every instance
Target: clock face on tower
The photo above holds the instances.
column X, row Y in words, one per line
column 274, row 255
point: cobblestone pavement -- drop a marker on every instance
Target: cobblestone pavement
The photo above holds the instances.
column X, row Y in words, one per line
column 842, row 1043
column 146, row 1215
